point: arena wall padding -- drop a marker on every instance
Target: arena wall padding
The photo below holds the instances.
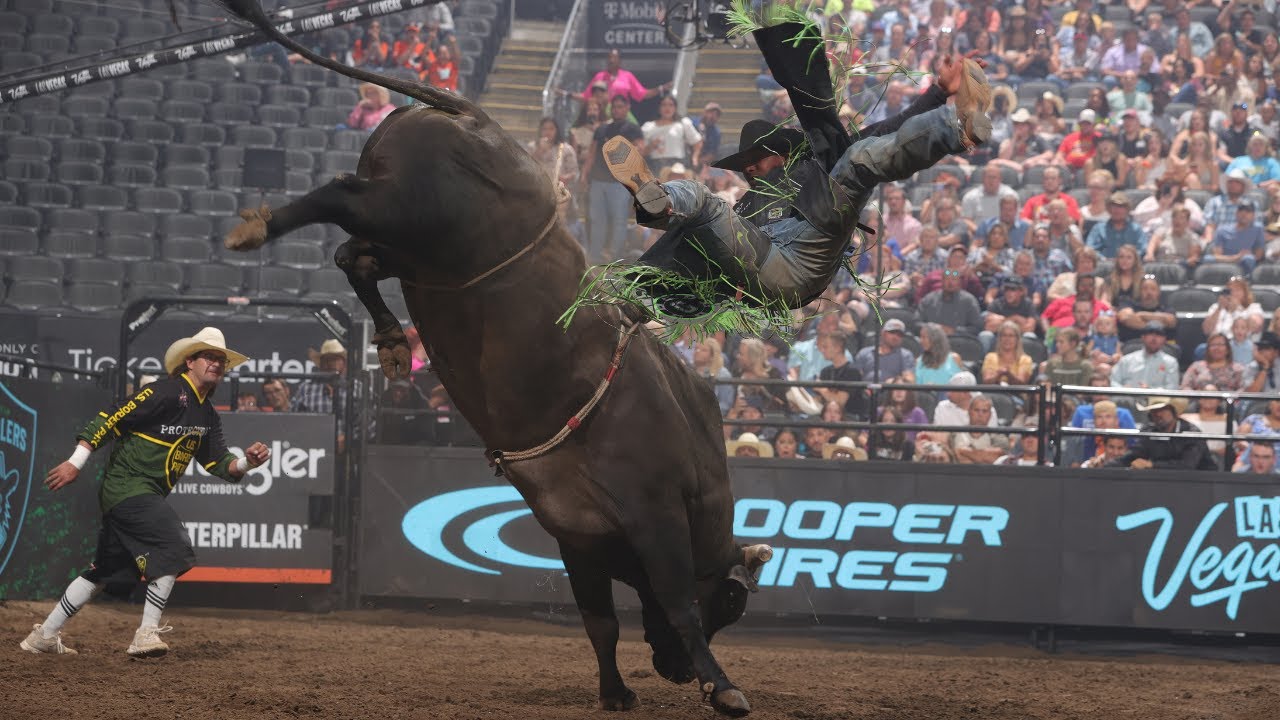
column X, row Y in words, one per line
column 1105, row 548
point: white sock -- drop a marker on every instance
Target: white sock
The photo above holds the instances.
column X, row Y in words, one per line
column 157, row 595
column 77, row 595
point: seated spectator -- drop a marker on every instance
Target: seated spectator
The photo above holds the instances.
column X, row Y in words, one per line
column 1242, row 242
column 1158, row 166
column 1203, row 172
column 1012, row 305
column 1077, row 62
column 1233, row 138
column 892, row 286
column 815, row 439
column 1078, row 147
column 247, row 402
column 1135, row 313
column 1066, row 365
column 753, row 364
column 1102, row 345
column 983, row 201
column 936, row 364
column 371, row 49
column 931, row 451
column 1234, row 301
column 1176, row 243
column 1263, row 169
column 786, row 445
column 403, row 419
column 708, row 363
column 806, row 361
column 841, row 369
column 1061, row 312
column 1211, row 417
column 1131, row 139
column 1007, row 216
column 1034, row 209
column 1029, row 446
column 1007, row 363
column 979, row 448
column 903, row 403
column 957, row 261
column 895, row 361
column 899, row 225
column 844, row 448
column 1064, row 285
column 1023, row 270
column 748, row 409
column 1197, row 32
column 1108, row 157
column 409, row 49
column 1126, row 275
column 1099, row 184
column 374, row 107
column 1217, row 370
column 950, row 306
column 1024, row 149
column 1064, row 233
column 954, row 409
column 1174, row 453
column 1119, row 230
column 891, row 444
column 1221, row 211
column 275, row 395
column 1102, row 414
column 1113, row 448
column 748, row 445
column 443, row 73
column 1263, row 374
column 1262, row 459
column 952, row 229
column 1128, row 96
column 1242, row 341
column 1150, row 366
column 927, row 257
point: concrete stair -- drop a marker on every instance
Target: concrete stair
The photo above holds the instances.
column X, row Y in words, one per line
column 513, row 94
column 727, row 76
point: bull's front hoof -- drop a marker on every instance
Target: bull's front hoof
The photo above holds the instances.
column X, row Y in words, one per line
column 731, row 702
column 250, row 234
column 628, row 701
column 674, row 665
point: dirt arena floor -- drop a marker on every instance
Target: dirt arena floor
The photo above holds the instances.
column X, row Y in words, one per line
column 387, row 664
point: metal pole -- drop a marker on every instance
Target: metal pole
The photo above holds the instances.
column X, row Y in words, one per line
column 874, row 415
column 1229, row 457
column 1042, row 413
column 1057, row 424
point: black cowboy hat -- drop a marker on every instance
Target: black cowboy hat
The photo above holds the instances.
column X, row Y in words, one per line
column 760, row 138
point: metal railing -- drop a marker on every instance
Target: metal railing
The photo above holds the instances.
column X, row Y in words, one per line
column 101, row 377
column 569, row 70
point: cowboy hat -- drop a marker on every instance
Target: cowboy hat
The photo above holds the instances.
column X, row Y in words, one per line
column 328, row 347
column 1178, row 405
column 208, row 338
column 748, row 440
column 674, row 169
column 1236, row 174
column 760, row 138
column 1052, row 97
column 1006, row 92
column 843, row 444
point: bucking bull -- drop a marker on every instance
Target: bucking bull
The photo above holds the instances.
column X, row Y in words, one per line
column 634, row 486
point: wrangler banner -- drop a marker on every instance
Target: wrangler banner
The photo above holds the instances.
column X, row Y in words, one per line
column 1184, row 551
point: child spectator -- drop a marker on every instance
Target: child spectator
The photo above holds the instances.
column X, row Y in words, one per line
column 1104, row 342
column 374, row 107
column 443, row 72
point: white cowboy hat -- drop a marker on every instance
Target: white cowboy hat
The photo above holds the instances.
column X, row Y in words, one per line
column 328, row 347
column 209, row 338
column 748, row 440
column 1178, row 405
column 1236, row 174
column 846, row 444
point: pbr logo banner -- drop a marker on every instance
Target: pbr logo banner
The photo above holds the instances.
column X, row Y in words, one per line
column 1190, row 551
column 45, row 537
column 258, row 530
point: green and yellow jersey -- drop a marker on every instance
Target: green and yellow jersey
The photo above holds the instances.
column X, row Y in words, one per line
column 158, row 431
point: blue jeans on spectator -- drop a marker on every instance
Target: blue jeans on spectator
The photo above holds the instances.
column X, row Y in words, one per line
column 609, row 211
column 794, row 260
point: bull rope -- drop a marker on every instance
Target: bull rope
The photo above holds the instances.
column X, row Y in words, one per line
column 625, row 334
column 546, row 230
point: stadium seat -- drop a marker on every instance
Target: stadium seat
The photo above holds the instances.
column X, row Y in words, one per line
column 49, row 45
column 13, row 22
column 298, row 183
column 19, row 60
column 184, row 155
column 18, row 146
column 261, row 73
column 325, row 117
column 1032, row 90
column 135, row 108
column 1167, row 274
column 82, row 150
column 231, row 114
column 12, row 123
column 8, row 193
column 301, row 255
column 19, row 217
column 70, row 245
column 1268, row 299
column 214, row 279
column 969, row 348
column 18, row 242
column 128, row 248
column 80, row 173
column 336, row 161
column 46, row 104
column 129, row 223
column 102, row 197
column 157, row 200
column 254, row 136
column 186, row 250
column 181, row 111
column 299, row 160
column 204, row 134
column 73, row 220
column 229, row 179
column 182, row 225
column 341, row 98
column 144, row 88
column 308, row 75
column 271, row 279
column 34, row 295
column 348, row 140
column 94, row 297
column 92, row 45
column 289, row 95
column 102, row 26
column 134, row 176
column 95, row 128
column 239, row 93
column 308, row 139
column 48, row 195
column 85, row 106
column 1266, row 275
column 34, row 267
column 26, row 168
column 1080, row 90
column 328, row 280
column 152, row 131
column 189, row 91
column 1216, row 274
column 51, row 126
column 1192, row 299
column 213, row 203
column 142, row 28
column 96, row 270
column 153, row 273
column 279, row 116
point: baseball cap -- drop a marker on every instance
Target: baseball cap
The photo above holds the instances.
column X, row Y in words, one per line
column 1130, row 113
column 712, row 106
column 1021, row 115
column 1119, row 198
column 877, row 25
column 1155, row 326
column 1013, row 281
column 964, row 377
column 1245, row 205
column 1240, row 106
column 1268, row 341
column 1088, row 115
column 895, row 325
column 600, row 84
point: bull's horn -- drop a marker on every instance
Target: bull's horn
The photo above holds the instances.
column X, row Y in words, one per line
column 757, row 555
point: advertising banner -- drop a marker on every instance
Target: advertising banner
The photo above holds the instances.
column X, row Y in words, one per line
column 626, row 25
column 46, row 538
column 258, row 530
column 1181, row 551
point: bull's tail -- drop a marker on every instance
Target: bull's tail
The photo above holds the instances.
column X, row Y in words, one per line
column 251, row 11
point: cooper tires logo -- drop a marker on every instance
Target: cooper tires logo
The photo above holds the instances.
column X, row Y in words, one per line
column 17, row 466
column 430, row 522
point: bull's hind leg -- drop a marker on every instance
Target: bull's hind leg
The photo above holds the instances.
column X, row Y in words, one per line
column 343, row 201
column 668, row 561
column 593, row 591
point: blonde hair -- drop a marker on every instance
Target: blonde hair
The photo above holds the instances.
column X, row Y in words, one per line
column 717, row 360
column 756, row 358
column 1104, row 406
column 383, row 94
